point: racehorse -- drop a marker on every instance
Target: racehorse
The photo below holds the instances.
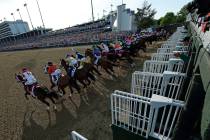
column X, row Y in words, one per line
column 113, row 56
column 103, row 62
column 62, row 82
column 135, row 46
column 81, row 75
column 41, row 92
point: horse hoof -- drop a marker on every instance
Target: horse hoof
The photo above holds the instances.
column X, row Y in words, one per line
column 55, row 108
column 48, row 108
column 60, row 94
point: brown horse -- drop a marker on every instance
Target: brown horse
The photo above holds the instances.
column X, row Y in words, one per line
column 63, row 82
column 103, row 62
column 41, row 92
column 81, row 75
column 113, row 56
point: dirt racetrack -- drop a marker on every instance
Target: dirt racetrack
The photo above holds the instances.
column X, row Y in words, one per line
column 29, row 120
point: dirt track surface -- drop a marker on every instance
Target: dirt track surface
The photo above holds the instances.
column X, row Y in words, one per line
column 29, row 120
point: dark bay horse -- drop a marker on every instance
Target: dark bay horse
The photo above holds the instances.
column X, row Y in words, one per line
column 63, row 82
column 41, row 92
column 103, row 62
column 135, row 47
column 114, row 56
column 82, row 75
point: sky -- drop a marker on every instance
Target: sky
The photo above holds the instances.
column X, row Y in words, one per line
column 59, row 14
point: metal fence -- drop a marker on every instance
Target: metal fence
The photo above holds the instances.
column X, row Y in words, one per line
column 175, row 65
column 155, row 116
column 162, row 56
column 167, row 84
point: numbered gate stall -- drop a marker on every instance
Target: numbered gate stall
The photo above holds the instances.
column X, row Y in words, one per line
column 147, row 117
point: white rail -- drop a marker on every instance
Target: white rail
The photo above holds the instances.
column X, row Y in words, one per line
column 162, row 56
column 167, row 84
column 155, row 117
column 175, row 65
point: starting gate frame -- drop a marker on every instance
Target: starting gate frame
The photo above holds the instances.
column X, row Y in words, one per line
column 155, row 117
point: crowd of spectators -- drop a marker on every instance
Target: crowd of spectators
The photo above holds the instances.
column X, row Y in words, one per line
column 83, row 34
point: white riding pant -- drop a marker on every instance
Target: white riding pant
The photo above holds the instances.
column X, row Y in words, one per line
column 97, row 58
column 57, row 74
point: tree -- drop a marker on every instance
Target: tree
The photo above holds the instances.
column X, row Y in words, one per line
column 144, row 17
column 181, row 15
column 169, row 18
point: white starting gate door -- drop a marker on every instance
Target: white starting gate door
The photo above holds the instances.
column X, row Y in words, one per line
column 162, row 56
column 155, row 117
column 170, row 50
column 175, row 65
column 77, row 136
column 166, row 84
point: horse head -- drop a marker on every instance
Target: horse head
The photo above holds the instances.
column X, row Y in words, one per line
column 19, row 78
column 46, row 69
column 63, row 63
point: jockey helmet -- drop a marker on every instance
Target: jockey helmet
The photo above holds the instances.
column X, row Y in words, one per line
column 50, row 63
column 68, row 55
column 24, row 69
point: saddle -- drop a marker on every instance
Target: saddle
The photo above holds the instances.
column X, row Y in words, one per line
column 33, row 87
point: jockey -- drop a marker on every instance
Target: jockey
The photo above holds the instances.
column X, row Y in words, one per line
column 54, row 72
column 112, row 48
column 79, row 56
column 72, row 63
column 105, row 48
column 30, row 81
column 97, row 54
column 117, row 47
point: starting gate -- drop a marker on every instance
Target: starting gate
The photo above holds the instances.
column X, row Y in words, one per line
column 162, row 56
column 175, row 65
column 166, row 84
column 155, row 117
column 170, row 50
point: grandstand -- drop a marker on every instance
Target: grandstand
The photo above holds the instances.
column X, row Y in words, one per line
column 86, row 33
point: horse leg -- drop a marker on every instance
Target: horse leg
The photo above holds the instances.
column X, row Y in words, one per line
column 62, row 89
column 52, row 86
column 91, row 76
column 96, row 70
column 26, row 95
column 59, row 91
column 112, row 70
column 53, row 102
column 76, row 86
column 88, row 82
column 107, row 71
column 45, row 102
column 70, row 90
column 83, row 83
column 130, row 61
